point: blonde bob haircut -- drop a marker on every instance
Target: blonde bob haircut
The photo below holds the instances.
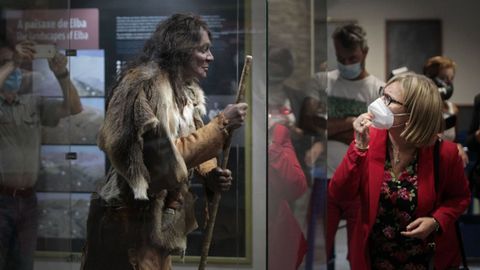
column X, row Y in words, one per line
column 424, row 103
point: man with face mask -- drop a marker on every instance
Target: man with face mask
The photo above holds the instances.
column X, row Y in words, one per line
column 21, row 118
column 349, row 89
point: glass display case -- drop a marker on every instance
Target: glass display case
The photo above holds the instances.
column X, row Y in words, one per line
column 98, row 39
column 286, row 122
column 297, row 115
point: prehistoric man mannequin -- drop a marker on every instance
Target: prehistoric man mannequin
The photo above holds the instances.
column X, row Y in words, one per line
column 155, row 139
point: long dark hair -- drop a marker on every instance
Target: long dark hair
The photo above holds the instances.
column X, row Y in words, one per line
column 171, row 46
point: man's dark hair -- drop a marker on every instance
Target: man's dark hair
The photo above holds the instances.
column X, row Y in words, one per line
column 351, row 36
column 171, row 46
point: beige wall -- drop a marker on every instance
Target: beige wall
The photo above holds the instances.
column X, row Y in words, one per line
column 461, row 33
column 289, row 26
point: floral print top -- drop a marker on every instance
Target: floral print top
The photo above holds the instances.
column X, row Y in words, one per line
column 396, row 209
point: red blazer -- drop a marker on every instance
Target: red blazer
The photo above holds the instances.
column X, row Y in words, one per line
column 362, row 173
column 286, row 183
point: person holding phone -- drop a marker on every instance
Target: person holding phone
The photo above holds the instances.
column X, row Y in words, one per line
column 44, row 51
column 21, row 118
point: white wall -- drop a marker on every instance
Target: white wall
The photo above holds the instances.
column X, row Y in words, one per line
column 461, row 33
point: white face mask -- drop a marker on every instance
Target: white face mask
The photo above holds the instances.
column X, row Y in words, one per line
column 350, row 72
column 383, row 116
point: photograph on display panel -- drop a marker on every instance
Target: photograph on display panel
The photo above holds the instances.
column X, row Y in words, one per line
column 83, row 173
column 62, row 221
column 78, row 129
column 87, row 73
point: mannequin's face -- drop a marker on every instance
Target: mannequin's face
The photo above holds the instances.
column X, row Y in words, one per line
column 201, row 58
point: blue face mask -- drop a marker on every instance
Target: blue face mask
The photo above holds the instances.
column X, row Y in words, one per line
column 13, row 82
column 349, row 72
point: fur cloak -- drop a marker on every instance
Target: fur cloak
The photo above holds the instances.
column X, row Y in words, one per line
column 153, row 147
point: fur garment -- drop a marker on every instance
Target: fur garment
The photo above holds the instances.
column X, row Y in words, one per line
column 144, row 103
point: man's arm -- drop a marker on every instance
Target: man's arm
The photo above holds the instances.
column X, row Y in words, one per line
column 341, row 129
column 313, row 116
column 71, row 101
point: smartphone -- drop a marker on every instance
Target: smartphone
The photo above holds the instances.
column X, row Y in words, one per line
column 44, row 50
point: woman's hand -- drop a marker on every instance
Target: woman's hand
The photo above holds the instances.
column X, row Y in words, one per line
column 361, row 127
column 421, row 228
column 235, row 114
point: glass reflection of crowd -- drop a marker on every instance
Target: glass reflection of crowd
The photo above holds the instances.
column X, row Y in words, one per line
column 338, row 97
column 286, row 179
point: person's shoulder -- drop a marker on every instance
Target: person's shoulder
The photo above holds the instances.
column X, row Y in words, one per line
column 333, row 74
column 376, row 134
column 449, row 149
column 143, row 72
column 197, row 96
column 334, row 80
column 449, row 154
column 373, row 84
column 372, row 79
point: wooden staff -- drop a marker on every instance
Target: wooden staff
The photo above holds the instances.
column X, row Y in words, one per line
column 226, row 152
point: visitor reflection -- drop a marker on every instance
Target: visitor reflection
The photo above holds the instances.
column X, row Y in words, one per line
column 22, row 114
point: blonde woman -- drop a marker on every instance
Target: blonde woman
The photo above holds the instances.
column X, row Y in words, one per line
column 390, row 165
